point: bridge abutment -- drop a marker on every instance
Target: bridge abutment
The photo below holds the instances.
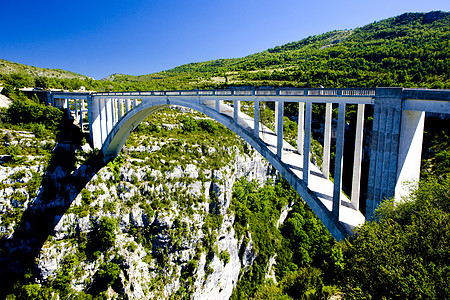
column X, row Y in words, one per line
column 395, row 150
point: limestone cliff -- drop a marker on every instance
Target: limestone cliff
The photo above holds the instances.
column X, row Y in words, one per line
column 171, row 227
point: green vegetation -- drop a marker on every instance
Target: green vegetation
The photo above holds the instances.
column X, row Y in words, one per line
column 406, row 254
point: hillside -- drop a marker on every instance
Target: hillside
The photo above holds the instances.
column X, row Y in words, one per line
column 410, row 50
column 7, row 67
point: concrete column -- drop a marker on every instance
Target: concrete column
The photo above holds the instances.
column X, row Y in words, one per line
column 307, row 143
column 50, row 99
column 276, row 117
column 217, row 105
column 76, row 108
column 94, row 111
column 134, row 102
column 301, row 127
column 68, row 108
column 119, row 108
column 237, row 109
column 280, row 105
column 104, row 119
column 115, row 108
column 107, row 116
column 256, row 119
column 410, row 150
column 114, row 117
column 327, row 140
column 81, row 114
column 338, row 160
column 128, row 104
column 356, row 177
column 384, row 147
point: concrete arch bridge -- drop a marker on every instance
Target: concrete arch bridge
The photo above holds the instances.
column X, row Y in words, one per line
column 395, row 149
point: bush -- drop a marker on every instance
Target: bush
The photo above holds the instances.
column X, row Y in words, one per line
column 405, row 254
column 23, row 110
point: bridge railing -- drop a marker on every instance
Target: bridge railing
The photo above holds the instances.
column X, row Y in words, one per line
column 288, row 92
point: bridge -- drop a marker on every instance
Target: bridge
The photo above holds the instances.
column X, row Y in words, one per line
column 395, row 148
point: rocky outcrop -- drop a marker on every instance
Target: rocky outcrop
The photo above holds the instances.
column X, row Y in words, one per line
column 177, row 236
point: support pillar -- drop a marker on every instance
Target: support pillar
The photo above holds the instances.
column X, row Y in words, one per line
column 119, row 109
column 338, row 160
column 237, row 109
column 410, row 150
column 68, row 108
column 384, row 147
column 327, row 141
column 128, row 104
column 94, row 111
column 81, row 114
column 280, row 110
column 307, row 143
column 76, row 108
column 276, row 117
column 301, row 127
column 256, row 119
column 104, row 120
column 356, row 177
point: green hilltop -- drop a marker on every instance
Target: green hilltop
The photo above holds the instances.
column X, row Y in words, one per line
column 410, row 50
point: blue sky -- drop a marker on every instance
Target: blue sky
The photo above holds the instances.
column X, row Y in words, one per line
column 98, row 38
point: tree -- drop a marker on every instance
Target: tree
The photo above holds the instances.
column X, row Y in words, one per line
column 406, row 254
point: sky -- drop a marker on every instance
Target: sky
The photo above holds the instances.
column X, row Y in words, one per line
column 98, row 38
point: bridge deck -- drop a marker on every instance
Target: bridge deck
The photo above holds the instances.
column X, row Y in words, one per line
column 322, row 187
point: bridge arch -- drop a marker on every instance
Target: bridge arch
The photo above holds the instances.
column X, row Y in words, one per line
column 395, row 147
column 123, row 128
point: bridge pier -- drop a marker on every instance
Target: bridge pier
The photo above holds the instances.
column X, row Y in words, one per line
column 307, row 142
column 237, row 109
column 300, row 127
column 256, row 119
column 327, row 140
column 279, row 131
column 410, row 149
column 396, row 147
column 357, row 158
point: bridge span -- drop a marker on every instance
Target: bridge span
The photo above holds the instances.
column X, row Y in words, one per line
column 395, row 149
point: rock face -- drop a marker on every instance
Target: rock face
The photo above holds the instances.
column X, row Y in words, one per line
column 161, row 251
column 171, row 227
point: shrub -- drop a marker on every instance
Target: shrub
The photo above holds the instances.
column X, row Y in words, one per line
column 405, row 254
